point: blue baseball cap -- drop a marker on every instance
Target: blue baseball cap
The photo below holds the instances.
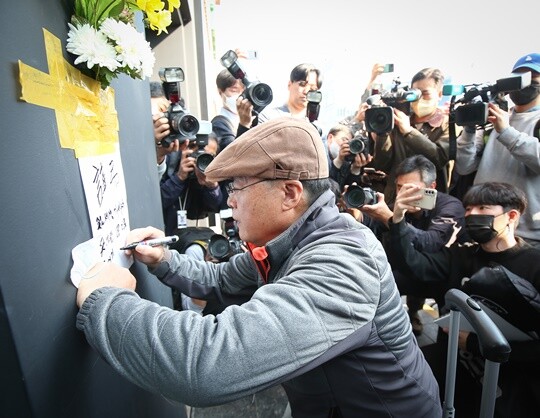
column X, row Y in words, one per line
column 530, row 61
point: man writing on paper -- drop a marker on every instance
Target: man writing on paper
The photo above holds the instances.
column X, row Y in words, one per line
column 325, row 318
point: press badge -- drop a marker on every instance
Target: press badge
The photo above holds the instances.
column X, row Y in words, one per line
column 181, row 218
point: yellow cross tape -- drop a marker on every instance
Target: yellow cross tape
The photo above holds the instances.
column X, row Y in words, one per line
column 85, row 114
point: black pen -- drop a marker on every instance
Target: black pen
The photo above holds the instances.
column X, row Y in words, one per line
column 152, row 242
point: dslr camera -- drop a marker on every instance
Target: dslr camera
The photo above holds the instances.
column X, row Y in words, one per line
column 380, row 116
column 183, row 125
column 473, row 109
column 259, row 94
column 202, row 158
column 358, row 145
column 223, row 247
column 356, row 196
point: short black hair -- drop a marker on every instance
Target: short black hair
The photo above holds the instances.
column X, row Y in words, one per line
column 495, row 193
column 418, row 163
column 224, row 80
column 301, row 73
column 315, row 188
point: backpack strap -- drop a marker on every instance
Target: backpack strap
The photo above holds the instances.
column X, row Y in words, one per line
column 224, row 119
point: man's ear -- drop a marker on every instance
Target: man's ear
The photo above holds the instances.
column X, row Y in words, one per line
column 293, row 190
column 513, row 215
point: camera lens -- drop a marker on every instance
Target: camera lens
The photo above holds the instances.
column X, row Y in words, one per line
column 380, row 119
column 357, row 196
column 218, row 246
column 203, row 160
column 356, row 146
column 261, row 94
column 188, row 125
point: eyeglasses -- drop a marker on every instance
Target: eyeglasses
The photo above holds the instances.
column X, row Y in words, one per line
column 231, row 189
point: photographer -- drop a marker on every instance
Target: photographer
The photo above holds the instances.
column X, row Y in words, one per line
column 345, row 167
column 303, row 78
column 159, row 104
column 225, row 124
column 430, row 229
column 184, row 188
column 512, row 152
column 424, row 132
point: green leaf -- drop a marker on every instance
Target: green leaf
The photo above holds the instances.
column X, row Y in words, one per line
column 106, row 10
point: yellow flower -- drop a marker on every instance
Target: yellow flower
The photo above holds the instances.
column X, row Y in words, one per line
column 173, row 4
column 149, row 6
column 159, row 20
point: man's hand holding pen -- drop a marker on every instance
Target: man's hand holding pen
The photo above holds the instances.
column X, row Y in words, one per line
column 148, row 254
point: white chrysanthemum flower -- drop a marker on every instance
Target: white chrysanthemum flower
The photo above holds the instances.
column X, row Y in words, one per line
column 92, row 47
column 147, row 61
column 131, row 46
column 114, row 29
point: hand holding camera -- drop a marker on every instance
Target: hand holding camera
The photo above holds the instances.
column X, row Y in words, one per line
column 360, row 115
column 259, row 94
column 245, row 111
column 498, row 117
column 161, row 131
column 181, row 124
column 474, row 107
column 187, row 165
column 378, row 210
column 380, row 116
column 402, row 121
column 356, row 196
column 358, row 151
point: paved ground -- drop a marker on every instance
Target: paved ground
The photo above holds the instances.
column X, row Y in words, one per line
column 272, row 403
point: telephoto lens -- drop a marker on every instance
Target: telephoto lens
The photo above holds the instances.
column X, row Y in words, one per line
column 356, row 196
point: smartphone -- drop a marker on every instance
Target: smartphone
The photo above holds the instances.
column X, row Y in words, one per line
column 388, row 68
column 429, row 198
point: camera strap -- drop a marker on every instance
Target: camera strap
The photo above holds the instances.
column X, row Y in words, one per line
column 452, row 141
column 182, row 202
column 181, row 214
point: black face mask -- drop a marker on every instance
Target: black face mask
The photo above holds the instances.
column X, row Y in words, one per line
column 480, row 228
column 526, row 95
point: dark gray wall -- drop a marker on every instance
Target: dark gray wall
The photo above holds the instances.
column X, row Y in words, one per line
column 46, row 367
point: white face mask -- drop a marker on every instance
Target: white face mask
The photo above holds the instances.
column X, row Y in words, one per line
column 424, row 107
column 333, row 149
column 230, row 102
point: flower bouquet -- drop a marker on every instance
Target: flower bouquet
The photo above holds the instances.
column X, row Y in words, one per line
column 103, row 37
